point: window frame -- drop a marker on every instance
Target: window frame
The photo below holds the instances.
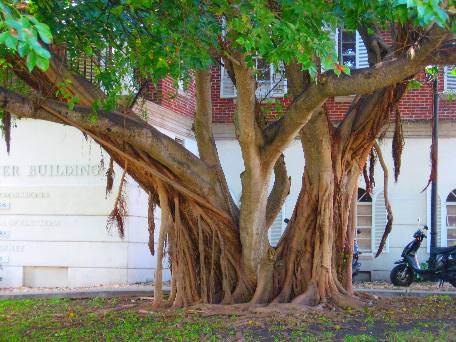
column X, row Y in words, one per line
column 446, row 74
column 357, row 226
column 270, row 92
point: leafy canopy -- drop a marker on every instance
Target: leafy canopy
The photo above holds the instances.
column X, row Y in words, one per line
column 160, row 38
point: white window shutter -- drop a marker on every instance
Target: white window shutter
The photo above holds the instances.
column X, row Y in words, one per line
column 449, row 81
column 379, row 223
column 276, row 229
column 227, row 88
column 441, row 223
column 361, row 53
column 335, row 36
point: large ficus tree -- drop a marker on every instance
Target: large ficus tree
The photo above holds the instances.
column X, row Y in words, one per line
column 219, row 252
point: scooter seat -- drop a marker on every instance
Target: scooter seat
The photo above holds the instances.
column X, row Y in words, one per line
column 443, row 250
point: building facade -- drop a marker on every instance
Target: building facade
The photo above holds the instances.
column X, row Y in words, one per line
column 53, row 205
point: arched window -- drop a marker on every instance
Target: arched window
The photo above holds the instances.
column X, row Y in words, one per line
column 451, row 218
column 364, row 221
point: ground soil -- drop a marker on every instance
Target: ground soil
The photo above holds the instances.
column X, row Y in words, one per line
column 133, row 318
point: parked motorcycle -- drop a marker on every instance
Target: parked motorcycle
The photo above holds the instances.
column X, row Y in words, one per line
column 408, row 268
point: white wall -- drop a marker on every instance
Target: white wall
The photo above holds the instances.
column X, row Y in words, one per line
column 53, row 219
column 406, row 196
column 53, row 227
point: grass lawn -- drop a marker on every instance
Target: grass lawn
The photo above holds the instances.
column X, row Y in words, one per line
column 132, row 319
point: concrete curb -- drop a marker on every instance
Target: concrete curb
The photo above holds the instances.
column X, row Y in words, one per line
column 149, row 292
column 405, row 292
column 86, row 293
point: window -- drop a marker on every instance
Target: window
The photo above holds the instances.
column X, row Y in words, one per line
column 350, row 49
column 270, row 81
column 451, row 218
column 364, row 221
column 449, row 80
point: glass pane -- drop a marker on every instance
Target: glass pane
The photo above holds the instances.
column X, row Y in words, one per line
column 349, row 61
column 365, row 245
column 348, row 49
column 451, row 234
column 451, row 221
column 451, row 209
column 364, row 221
column 365, row 233
column 451, row 243
column 363, row 196
column 263, row 73
column 348, row 36
column 364, row 209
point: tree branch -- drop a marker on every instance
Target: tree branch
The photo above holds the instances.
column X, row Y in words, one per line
column 362, row 81
column 204, row 136
column 389, row 223
column 279, row 192
column 129, row 129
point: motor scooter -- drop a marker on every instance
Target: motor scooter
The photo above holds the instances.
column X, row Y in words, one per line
column 408, row 268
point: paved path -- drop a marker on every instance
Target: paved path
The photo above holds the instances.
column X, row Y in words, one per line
column 148, row 291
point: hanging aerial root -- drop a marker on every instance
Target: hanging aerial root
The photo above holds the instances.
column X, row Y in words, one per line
column 203, row 275
column 110, row 176
column 432, row 176
column 151, row 223
column 165, row 222
column 366, row 179
column 6, row 128
column 372, row 162
column 389, row 222
column 119, row 212
column 398, row 145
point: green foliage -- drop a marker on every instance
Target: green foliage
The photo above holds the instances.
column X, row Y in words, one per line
column 24, row 34
column 154, row 39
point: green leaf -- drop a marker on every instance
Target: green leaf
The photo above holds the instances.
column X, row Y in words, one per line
column 39, row 49
column 11, row 42
column 3, row 37
column 42, row 63
column 93, row 118
column 31, row 61
column 88, row 50
column 346, row 70
column 117, row 10
column 44, row 32
column 414, row 84
column 23, row 48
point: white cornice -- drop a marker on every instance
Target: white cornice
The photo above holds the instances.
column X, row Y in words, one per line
column 165, row 118
column 411, row 129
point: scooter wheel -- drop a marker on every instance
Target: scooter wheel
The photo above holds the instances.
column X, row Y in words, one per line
column 401, row 275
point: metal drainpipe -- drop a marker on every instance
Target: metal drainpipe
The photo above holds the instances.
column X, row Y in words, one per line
column 435, row 135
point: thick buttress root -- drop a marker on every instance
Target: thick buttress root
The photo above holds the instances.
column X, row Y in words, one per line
column 203, row 252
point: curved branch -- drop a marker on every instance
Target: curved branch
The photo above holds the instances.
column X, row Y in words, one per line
column 132, row 130
column 279, row 192
column 205, row 138
column 362, row 81
column 46, row 82
column 389, row 222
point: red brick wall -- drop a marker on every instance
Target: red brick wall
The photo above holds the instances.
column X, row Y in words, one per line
column 223, row 108
column 166, row 95
column 415, row 105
